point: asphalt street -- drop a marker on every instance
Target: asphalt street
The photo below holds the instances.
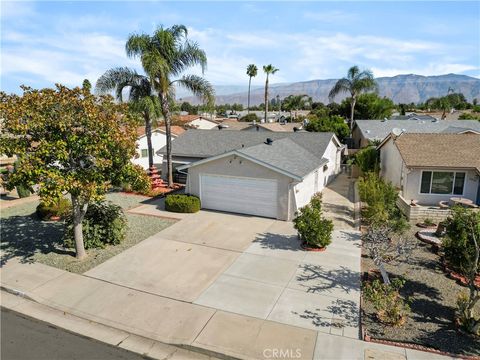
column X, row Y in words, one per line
column 24, row 338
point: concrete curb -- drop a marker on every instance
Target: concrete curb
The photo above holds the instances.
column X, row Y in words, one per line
column 30, row 307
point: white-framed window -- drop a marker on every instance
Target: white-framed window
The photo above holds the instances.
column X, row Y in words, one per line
column 144, row 153
column 442, row 182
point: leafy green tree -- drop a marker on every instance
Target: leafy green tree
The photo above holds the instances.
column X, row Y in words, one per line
column 369, row 106
column 252, row 71
column 141, row 97
column 165, row 56
column 189, row 108
column 249, row 118
column 67, row 141
column 335, row 124
column 469, row 116
column 355, row 83
column 268, row 70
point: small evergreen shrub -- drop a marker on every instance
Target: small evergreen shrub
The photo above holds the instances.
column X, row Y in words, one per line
column 428, row 222
column 458, row 244
column 367, row 159
column 313, row 229
column 61, row 208
column 391, row 308
column 182, row 203
column 103, row 224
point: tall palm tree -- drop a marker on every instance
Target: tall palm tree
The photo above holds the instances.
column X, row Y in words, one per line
column 268, row 69
column 251, row 72
column 355, row 83
column 141, row 97
column 165, row 56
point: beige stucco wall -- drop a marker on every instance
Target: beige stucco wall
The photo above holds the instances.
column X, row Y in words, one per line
column 241, row 167
column 359, row 140
column 392, row 167
column 412, row 187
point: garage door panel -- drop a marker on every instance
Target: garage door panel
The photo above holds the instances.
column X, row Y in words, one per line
column 242, row 195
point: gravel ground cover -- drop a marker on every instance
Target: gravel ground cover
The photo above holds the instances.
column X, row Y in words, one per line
column 24, row 235
column 433, row 302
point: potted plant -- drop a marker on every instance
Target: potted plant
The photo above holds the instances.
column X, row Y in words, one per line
column 314, row 231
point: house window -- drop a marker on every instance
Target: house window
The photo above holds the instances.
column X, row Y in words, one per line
column 144, row 153
column 442, row 182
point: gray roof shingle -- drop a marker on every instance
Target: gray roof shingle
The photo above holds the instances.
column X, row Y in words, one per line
column 298, row 153
column 378, row 129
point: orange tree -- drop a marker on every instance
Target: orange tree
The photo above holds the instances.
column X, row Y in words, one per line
column 67, row 141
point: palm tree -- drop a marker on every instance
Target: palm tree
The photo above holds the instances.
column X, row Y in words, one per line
column 296, row 102
column 251, row 72
column 141, row 97
column 165, row 56
column 268, row 69
column 355, row 83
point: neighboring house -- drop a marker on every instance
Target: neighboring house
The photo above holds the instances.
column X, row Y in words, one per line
column 365, row 131
column 254, row 173
column 159, row 140
column 232, row 124
column 430, row 168
column 415, row 116
column 194, row 121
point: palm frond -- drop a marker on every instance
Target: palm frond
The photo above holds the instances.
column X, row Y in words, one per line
column 137, row 44
column 198, row 86
column 341, row 86
column 189, row 54
column 117, row 80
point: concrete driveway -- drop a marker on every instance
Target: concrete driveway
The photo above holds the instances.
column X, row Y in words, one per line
column 250, row 266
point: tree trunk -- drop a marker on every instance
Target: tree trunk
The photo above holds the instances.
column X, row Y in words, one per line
column 248, row 101
column 168, row 134
column 352, row 111
column 79, row 211
column 148, row 133
column 384, row 273
column 266, row 98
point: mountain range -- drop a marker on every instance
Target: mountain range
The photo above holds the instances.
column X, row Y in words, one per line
column 401, row 89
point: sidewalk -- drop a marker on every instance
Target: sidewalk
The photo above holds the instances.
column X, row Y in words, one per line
column 147, row 322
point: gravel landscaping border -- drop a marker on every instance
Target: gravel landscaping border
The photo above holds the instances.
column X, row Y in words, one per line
column 433, row 302
column 27, row 237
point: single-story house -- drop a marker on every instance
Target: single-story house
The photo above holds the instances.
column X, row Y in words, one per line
column 429, row 168
column 194, row 121
column 366, row 131
column 254, row 173
column 159, row 140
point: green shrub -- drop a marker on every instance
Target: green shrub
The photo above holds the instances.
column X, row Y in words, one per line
column 104, row 223
column 458, row 244
column 391, row 308
column 367, row 159
column 182, row 203
column 23, row 191
column 467, row 316
column 381, row 198
column 313, row 229
column 61, row 209
column 428, row 222
column 249, row 117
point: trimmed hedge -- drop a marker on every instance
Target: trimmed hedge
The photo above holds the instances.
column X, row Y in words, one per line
column 61, row 209
column 182, row 203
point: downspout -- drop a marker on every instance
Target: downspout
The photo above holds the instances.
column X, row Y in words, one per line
column 188, row 178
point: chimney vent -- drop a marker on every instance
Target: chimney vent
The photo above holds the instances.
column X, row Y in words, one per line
column 269, row 141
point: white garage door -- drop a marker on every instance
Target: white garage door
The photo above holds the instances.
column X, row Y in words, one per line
column 239, row 194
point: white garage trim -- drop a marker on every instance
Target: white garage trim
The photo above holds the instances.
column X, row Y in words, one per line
column 243, row 195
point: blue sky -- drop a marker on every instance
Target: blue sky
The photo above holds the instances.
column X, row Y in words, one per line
column 48, row 42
